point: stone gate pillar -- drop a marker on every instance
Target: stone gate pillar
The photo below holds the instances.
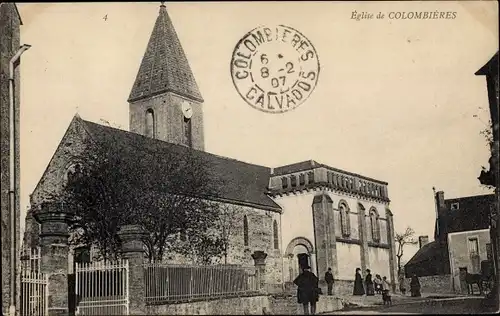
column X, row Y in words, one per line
column 131, row 237
column 259, row 258
column 54, row 246
column 393, row 268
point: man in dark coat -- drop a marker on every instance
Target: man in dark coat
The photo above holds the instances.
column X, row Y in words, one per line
column 308, row 290
column 329, row 280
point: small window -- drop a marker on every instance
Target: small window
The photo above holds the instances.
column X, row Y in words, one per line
column 275, row 235
column 150, row 123
column 310, row 176
column 284, row 182
column 375, row 225
column 344, row 220
column 188, row 139
column 302, row 179
column 293, row 180
column 245, row 230
column 455, row 206
column 473, row 246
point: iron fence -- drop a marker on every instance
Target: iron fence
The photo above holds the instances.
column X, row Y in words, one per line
column 170, row 283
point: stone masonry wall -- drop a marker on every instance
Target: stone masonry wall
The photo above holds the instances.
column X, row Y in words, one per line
column 260, row 237
column 70, row 148
column 252, row 305
column 168, row 118
column 440, row 284
column 9, row 43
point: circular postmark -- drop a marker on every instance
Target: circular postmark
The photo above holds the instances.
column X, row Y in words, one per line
column 274, row 69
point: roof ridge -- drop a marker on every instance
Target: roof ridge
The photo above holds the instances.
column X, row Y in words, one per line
column 471, row 196
column 173, row 144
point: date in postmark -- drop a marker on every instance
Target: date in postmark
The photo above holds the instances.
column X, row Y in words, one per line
column 274, row 69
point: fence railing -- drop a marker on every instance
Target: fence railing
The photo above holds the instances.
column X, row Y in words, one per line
column 165, row 283
column 34, row 294
column 102, row 288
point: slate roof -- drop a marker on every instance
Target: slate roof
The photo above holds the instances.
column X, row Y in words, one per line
column 431, row 259
column 472, row 214
column 311, row 164
column 241, row 183
column 164, row 66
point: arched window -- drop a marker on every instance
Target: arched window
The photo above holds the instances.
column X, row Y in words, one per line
column 245, row 230
column 275, row 235
column 375, row 226
column 150, row 123
column 310, row 177
column 302, row 179
column 345, row 222
column 187, row 132
column 293, row 181
column 284, row 182
column 73, row 172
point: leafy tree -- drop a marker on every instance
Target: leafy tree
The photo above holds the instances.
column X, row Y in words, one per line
column 487, row 177
column 167, row 194
column 228, row 225
column 402, row 239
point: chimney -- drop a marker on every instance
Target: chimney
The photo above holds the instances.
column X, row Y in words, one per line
column 440, row 205
column 423, row 240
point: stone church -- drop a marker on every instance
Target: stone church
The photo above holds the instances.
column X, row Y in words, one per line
column 305, row 212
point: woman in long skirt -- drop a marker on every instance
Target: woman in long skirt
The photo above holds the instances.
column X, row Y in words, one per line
column 370, row 291
column 358, row 283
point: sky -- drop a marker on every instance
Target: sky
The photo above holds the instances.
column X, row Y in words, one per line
column 395, row 99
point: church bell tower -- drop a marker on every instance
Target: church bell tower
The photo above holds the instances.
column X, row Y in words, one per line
column 165, row 102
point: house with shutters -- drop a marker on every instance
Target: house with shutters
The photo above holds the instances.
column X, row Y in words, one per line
column 461, row 241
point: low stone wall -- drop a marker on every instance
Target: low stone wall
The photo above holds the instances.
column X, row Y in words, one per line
column 250, row 305
column 342, row 288
column 441, row 284
column 290, row 306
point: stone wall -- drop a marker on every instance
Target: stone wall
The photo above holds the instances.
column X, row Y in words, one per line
column 251, row 305
column 70, row 148
column 9, row 44
column 441, row 284
column 168, row 118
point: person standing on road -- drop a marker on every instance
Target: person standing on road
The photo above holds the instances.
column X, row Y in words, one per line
column 370, row 291
column 415, row 286
column 402, row 286
column 358, row 283
column 308, row 290
column 329, row 280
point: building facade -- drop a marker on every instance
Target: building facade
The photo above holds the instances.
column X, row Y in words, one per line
column 467, row 250
column 304, row 213
column 10, row 22
column 461, row 240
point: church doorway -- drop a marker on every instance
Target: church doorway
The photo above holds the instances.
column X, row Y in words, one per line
column 299, row 253
column 303, row 260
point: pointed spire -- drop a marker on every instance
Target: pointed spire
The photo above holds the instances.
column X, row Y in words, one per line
column 164, row 66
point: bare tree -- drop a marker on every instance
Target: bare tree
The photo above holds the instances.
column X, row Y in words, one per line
column 402, row 239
